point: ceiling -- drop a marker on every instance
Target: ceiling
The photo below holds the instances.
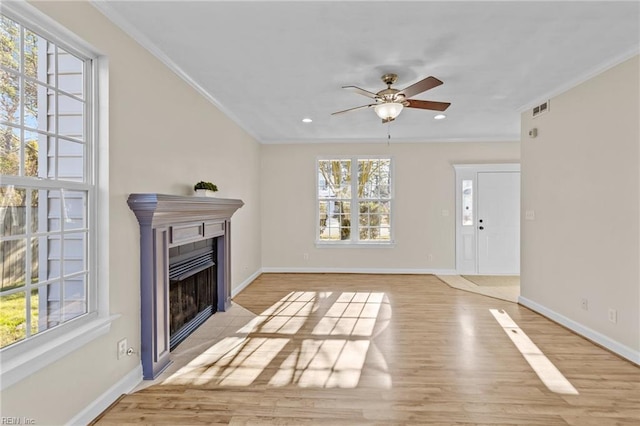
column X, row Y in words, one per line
column 270, row 64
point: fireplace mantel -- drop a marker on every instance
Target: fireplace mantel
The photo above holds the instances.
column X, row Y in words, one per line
column 167, row 221
column 164, row 209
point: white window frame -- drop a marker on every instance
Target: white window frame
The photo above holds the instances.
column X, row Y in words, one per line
column 355, row 241
column 24, row 358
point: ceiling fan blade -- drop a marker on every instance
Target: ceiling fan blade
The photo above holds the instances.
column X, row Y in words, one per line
column 353, row 109
column 421, row 86
column 432, row 105
column 360, row 91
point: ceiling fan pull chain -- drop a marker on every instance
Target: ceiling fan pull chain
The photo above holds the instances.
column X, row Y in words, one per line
column 388, row 133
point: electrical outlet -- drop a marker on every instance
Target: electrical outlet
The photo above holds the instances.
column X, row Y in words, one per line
column 584, row 304
column 305, row 256
column 430, row 258
column 613, row 316
column 122, row 348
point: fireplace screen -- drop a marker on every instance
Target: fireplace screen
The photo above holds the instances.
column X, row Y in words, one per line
column 192, row 290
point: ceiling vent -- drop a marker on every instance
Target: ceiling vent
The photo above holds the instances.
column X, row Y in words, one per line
column 542, row 108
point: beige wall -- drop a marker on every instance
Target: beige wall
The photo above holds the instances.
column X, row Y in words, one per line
column 424, row 186
column 581, row 177
column 164, row 137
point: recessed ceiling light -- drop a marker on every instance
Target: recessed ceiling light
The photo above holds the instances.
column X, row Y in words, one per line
column 440, row 117
column 307, row 120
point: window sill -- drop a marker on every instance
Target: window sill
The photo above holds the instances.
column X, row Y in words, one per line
column 21, row 362
column 356, row 245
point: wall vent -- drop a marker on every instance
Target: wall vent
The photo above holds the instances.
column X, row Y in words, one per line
column 542, row 108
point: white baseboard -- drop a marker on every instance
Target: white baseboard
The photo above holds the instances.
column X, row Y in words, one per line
column 237, row 289
column 93, row 410
column 595, row 336
column 296, row 270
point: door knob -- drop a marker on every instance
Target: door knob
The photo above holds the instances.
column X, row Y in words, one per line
column 481, row 228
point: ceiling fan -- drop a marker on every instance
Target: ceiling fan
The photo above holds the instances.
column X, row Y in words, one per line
column 389, row 102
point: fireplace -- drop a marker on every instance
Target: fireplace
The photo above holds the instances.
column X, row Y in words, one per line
column 185, row 269
column 192, row 288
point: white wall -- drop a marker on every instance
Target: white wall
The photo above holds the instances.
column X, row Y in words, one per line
column 424, row 187
column 164, row 137
column 581, row 177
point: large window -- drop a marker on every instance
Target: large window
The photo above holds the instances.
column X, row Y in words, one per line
column 47, row 184
column 354, row 197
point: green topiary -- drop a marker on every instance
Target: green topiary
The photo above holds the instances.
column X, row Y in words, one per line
column 205, row 185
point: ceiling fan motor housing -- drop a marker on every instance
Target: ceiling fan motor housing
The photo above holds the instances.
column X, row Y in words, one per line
column 389, row 79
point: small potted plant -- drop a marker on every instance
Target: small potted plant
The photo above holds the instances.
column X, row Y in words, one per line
column 205, row 189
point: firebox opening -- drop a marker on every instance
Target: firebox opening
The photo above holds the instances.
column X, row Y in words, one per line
column 192, row 288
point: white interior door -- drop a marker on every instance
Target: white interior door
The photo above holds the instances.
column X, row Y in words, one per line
column 498, row 223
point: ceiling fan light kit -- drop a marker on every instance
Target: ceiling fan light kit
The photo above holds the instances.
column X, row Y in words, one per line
column 388, row 110
column 390, row 102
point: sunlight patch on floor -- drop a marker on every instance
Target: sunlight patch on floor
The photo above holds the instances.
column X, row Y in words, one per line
column 336, row 331
column 544, row 368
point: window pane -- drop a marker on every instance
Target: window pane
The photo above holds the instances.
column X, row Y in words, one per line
column 335, row 178
column 69, row 64
column 374, row 178
column 31, row 44
column 9, row 96
column 71, row 73
column 35, row 299
column 70, row 160
column 54, row 253
column 9, row 150
column 35, row 260
column 372, row 218
column 54, row 210
column 74, row 210
column 343, row 216
column 10, row 36
column 74, row 253
column 75, row 300
column 49, row 306
column 467, row 202
column 31, row 154
column 13, row 211
column 50, row 167
column 70, row 117
column 323, row 210
column 39, row 107
column 14, row 263
column 13, row 318
column 338, row 222
column 15, row 217
column 38, row 222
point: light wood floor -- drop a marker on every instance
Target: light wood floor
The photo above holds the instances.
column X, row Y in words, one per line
column 338, row 349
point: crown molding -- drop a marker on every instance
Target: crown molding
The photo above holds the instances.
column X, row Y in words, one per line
column 103, row 7
column 301, row 141
column 587, row 75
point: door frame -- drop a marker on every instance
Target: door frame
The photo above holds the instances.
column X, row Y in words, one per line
column 467, row 236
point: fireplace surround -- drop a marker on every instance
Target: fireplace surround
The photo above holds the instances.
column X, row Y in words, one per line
column 167, row 222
